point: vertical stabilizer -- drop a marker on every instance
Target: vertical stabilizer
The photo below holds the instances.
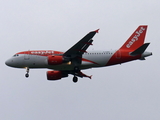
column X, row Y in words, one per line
column 136, row 39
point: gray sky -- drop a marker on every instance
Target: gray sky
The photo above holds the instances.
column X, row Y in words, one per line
column 123, row 92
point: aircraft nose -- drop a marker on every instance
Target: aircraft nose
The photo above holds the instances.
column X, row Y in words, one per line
column 9, row 62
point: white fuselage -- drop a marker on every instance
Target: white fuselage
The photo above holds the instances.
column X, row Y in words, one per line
column 89, row 60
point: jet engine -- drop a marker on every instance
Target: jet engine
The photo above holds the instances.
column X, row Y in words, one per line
column 55, row 60
column 56, row 75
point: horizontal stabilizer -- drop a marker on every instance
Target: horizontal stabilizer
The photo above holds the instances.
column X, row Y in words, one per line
column 140, row 50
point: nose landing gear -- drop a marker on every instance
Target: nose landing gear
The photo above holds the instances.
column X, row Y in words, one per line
column 27, row 74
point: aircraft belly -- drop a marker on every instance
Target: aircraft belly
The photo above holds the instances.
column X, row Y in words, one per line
column 67, row 67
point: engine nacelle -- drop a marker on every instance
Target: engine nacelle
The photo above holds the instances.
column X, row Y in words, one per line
column 55, row 60
column 56, row 75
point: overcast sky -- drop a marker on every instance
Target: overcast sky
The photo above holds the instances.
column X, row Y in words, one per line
column 130, row 91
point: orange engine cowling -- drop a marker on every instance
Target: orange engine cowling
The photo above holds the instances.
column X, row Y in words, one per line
column 56, row 75
column 55, row 60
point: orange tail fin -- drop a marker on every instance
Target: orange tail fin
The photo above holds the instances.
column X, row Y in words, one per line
column 136, row 39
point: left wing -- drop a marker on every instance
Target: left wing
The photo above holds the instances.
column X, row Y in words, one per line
column 80, row 47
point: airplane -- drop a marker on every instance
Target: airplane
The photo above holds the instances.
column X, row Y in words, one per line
column 77, row 58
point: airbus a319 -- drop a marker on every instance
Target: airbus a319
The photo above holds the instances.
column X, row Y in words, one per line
column 77, row 58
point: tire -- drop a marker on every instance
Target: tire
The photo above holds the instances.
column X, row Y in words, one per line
column 26, row 75
column 75, row 79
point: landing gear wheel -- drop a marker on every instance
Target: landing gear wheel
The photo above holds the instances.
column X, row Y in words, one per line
column 26, row 75
column 75, row 79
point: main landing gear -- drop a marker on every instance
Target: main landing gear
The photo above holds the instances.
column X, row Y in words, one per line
column 76, row 70
column 27, row 74
column 75, row 79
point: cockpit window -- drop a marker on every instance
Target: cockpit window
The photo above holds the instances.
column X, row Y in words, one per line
column 15, row 55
